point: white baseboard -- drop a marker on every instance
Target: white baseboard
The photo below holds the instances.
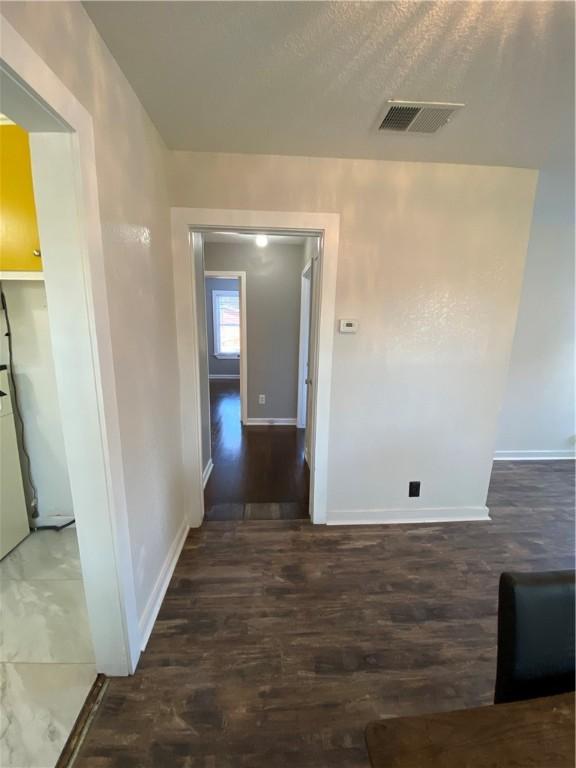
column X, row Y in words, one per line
column 58, row 520
column 534, row 456
column 154, row 602
column 399, row 516
column 223, row 376
column 207, row 472
column 270, row 422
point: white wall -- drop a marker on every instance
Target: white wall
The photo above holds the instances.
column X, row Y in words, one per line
column 38, row 398
column 537, row 418
column 130, row 160
column 431, row 259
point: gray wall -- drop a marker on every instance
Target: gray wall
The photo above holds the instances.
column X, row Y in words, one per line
column 272, row 321
column 219, row 366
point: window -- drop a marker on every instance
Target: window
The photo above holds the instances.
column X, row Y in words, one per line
column 226, row 311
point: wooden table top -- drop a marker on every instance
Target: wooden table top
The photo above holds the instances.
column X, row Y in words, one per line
column 525, row 734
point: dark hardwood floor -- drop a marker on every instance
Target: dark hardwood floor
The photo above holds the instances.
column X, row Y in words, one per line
column 259, row 472
column 279, row 641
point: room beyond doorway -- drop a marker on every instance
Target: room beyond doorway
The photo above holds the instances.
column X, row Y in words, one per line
column 256, row 455
column 256, row 468
column 259, row 472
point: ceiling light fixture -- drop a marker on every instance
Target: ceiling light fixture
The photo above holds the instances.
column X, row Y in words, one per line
column 261, row 241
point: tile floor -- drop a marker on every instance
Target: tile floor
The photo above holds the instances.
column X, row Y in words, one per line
column 46, row 658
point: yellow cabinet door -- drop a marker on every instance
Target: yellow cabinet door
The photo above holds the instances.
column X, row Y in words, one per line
column 18, row 227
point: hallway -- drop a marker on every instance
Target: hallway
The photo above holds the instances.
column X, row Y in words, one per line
column 259, row 472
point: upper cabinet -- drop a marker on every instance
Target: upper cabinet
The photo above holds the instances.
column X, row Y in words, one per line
column 18, row 227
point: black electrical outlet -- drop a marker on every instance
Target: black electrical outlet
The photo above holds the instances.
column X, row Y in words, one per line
column 414, row 488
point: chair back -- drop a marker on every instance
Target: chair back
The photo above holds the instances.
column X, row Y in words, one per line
column 536, row 620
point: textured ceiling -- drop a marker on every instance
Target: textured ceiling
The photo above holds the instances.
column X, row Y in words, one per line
column 311, row 78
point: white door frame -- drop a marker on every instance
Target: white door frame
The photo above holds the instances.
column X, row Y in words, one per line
column 66, row 192
column 186, row 220
column 230, row 275
column 305, row 309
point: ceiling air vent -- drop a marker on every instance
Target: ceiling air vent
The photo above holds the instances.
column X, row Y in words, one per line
column 417, row 116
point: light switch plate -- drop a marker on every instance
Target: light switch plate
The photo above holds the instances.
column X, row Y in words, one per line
column 348, row 326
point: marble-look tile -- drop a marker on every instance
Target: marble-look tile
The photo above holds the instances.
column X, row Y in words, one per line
column 39, row 705
column 44, row 621
column 44, row 555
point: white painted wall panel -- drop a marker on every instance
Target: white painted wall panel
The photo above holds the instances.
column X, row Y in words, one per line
column 537, row 418
column 130, row 160
column 430, row 264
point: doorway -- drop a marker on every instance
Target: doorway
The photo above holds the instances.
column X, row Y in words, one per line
column 187, row 244
column 186, row 223
column 252, row 325
column 68, row 605
column 227, row 342
column 61, row 140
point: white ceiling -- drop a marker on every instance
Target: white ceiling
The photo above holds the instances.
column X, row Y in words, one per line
column 311, row 78
column 250, row 237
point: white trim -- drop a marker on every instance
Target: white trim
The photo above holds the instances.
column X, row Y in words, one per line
column 187, row 339
column 271, row 422
column 58, row 520
column 207, row 472
column 68, row 211
column 228, row 274
column 534, row 456
column 303, row 344
column 154, row 602
column 15, row 275
column 235, row 376
column 404, row 515
column 186, row 220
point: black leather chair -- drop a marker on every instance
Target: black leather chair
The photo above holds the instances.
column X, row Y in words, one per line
column 536, row 620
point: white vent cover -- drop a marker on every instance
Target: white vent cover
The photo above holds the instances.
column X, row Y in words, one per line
column 417, row 116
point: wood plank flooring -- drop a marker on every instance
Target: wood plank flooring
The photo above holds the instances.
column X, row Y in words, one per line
column 253, row 465
column 278, row 641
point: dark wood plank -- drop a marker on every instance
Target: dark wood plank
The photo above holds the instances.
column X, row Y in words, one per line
column 278, row 641
column 252, row 464
column 531, row 734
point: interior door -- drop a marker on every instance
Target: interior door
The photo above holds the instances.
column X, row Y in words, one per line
column 312, row 353
column 202, row 335
column 303, row 363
